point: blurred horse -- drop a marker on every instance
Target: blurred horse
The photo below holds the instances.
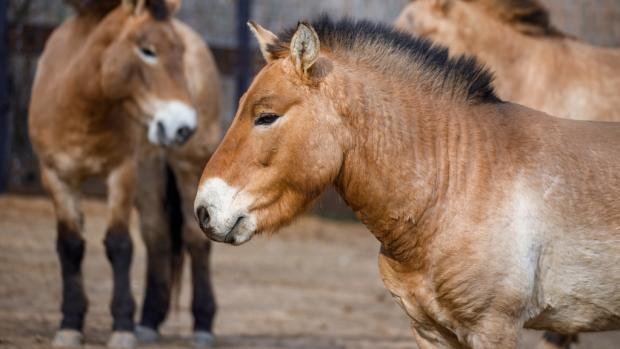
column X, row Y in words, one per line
column 535, row 64
column 491, row 216
column 120, row 90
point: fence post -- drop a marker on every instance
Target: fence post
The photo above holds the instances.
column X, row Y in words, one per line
column 244, row 54
column 4, row 99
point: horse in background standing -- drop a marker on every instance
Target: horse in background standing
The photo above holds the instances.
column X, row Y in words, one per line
column 123, row 90
column 535, row 64
column 491, row 216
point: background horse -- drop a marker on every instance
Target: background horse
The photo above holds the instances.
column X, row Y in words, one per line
column 535, row 64
column 491, row 216
column 119, row 91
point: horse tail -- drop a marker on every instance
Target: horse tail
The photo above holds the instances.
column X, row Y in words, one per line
column 175, row 220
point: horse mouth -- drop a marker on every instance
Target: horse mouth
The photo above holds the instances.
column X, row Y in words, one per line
column 231, row 237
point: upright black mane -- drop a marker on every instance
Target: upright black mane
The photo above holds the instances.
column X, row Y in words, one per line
column 529, row 17
column 385, row 47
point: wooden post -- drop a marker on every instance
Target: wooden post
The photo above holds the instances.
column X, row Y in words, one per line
column 4, row 99
column 244, row 57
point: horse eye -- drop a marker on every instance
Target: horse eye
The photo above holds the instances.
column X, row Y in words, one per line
column 148, row 52
column 266, row 119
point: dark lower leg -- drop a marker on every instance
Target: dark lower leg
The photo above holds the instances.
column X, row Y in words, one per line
column 119, row 250
column 70, row 248
column 158, row 281
column 203, row 302
column 563, row 341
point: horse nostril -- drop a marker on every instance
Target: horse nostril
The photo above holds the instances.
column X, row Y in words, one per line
column 203, row 217
column 161, row 131
column 183, row 134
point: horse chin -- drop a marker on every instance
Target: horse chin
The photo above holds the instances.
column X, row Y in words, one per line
column 240, row 239
column 242, row 232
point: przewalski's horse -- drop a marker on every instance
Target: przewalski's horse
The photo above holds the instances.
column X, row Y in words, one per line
column 535, row 64
column 120, row 88
column 491, row 216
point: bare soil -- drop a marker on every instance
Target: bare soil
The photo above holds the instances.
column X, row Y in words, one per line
column 315, row 285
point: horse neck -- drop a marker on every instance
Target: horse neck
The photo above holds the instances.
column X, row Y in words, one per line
column 406, row 156
column 81, row 87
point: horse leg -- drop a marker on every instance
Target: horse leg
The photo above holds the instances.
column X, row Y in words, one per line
column 70, row 247
column 119, row 250
column 491, row 334
column 154, row 228
column 199, row 247
column 495, row 330
column 552, row 340
column 434, row 338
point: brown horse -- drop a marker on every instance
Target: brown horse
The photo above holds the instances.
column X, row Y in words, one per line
column 119, row 91
column 491, row 216
column 536, row 64
column 530, row 58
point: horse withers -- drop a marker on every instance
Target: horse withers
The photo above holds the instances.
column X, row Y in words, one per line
column 491, row 216
column 120, row 90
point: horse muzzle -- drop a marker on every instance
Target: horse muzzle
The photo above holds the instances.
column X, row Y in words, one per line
column 222, row 213
column 173, row 123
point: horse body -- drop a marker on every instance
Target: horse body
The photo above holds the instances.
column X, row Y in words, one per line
column 531, row 250
column 491, row 216
column 535, row 64
column 112, row 88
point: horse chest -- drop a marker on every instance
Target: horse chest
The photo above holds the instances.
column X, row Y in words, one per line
column 412, row 292
column 89, row 157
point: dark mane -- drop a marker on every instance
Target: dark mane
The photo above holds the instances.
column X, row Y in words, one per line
column 93, row 7
column 392, row 51
column 157, row 8
column 526, row 16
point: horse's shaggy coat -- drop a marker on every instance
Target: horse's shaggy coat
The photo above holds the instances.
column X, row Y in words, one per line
column 111, row 79
column 491, row 216
column 535, row 63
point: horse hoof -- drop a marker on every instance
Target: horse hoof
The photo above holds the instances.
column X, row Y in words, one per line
column 122, row 340
column 146, row 335
column 203, row 339
column 67, row 339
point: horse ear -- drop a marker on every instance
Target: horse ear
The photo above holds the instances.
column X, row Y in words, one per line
column 135, row 7
column 265, row 39
column 305, row 47
column 173, row 5
column 441, row 5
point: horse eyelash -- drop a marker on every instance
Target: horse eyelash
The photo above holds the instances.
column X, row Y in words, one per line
column 266, row 119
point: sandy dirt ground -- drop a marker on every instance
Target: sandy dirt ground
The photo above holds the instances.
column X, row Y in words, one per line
column 315, row 285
